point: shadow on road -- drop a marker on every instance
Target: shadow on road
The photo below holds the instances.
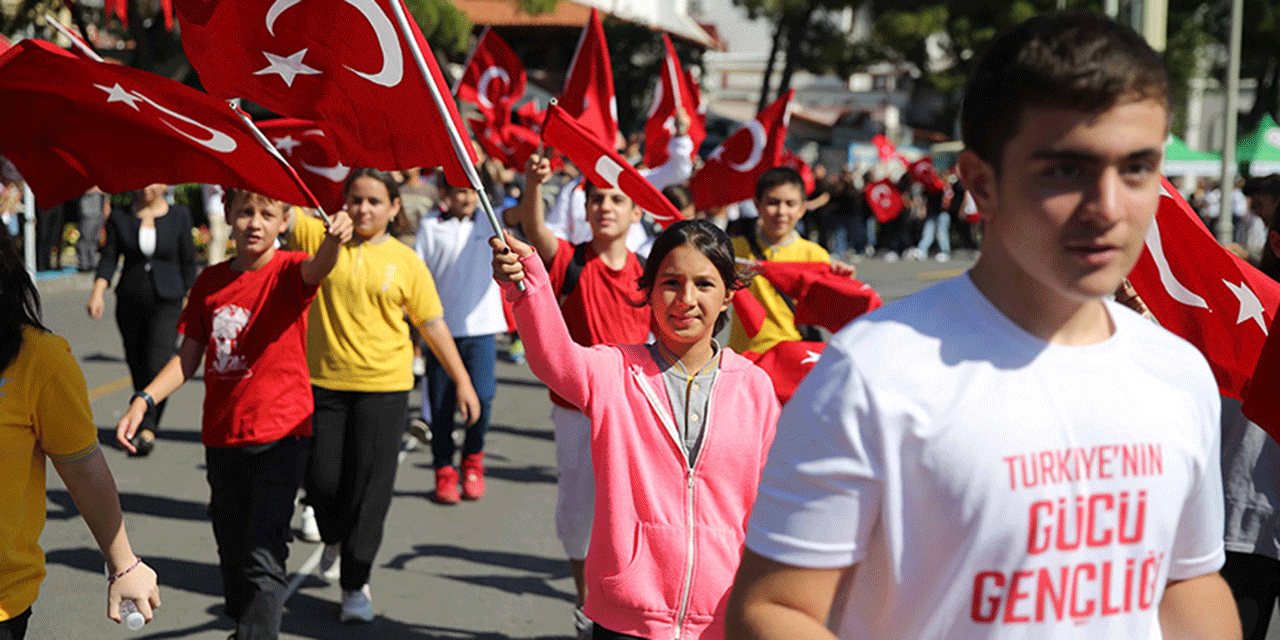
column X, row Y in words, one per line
column 139, row 503
column 172, row 573
column 522, row 383
column 536, row 434
column 308, row 616
column 101, row 357
column 107, row 436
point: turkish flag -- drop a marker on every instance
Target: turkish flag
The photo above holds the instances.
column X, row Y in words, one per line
column 313, row 152
column 4, row 44
column 494, row 79
column 787, row 363
column 887, row 151
column 926, row 174
column 1204, row 293
column 510, row 144
column 669, row 91
column 884, row 199
column 603, row 166
column 588, row 87
column 530, row 116
column 345, row 64
column 823, row 298
column 731, row 171
column 69, row 123
column 750, row 312
column 794, row 161
column 695, row 93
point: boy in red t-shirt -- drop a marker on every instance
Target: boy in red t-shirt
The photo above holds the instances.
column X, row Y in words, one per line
column 597, row 285
column 249, row 316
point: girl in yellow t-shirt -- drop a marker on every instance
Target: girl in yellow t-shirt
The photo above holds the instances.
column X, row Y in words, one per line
column 44, row 412
column 360, row 356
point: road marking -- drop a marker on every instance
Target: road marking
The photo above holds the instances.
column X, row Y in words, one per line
column 314, row 560
column 940, row 275
column 102, row 391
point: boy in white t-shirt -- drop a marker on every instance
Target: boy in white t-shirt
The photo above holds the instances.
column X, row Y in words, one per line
column 1008, row 454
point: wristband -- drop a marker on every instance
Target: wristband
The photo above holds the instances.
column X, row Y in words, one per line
column 112, row 579
column 151, row 402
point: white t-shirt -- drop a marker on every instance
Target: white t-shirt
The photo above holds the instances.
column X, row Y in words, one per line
column 991, row 485
column 457, row 253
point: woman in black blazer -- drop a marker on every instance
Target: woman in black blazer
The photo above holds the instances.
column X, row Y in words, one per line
column 159, row 267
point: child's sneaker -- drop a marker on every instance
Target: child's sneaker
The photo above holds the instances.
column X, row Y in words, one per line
column 447, row 486
column 309, row 530
column 473, row 476
column 515, row 352
column 331, row 562
column 357, row 606
column 420, row 430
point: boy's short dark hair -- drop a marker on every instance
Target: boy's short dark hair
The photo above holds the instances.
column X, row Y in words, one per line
column 1074, row 60
column 778, row 176
column 230, row 194
column 588, row 186
column 678, row 195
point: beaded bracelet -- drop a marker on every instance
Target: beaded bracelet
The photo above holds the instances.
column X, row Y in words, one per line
column 112, row 579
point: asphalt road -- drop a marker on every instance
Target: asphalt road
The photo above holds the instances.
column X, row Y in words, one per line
column 483, row 570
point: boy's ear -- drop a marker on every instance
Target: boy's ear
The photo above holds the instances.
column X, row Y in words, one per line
column 979, row 179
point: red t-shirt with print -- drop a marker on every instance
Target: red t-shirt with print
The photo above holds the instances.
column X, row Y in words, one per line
column 607, row 306
column 254, row 326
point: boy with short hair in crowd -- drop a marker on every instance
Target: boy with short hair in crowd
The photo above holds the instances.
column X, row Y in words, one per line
column 1009, row 454
column 780, row 201
column 455, row 247
column 247, row 317
column 596, row 284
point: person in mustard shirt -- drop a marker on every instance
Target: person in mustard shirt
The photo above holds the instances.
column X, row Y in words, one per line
column 44, row 413
column 360, row 358
column 781, row 203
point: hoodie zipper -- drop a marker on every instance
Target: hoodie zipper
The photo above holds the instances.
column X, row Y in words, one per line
column 669, row 423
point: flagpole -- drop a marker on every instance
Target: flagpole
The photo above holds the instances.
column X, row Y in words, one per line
column 455, row 137
column 275, row 153
column 75, row 40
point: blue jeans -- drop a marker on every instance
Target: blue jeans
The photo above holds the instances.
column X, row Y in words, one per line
column 478, row 355
column 939, row 225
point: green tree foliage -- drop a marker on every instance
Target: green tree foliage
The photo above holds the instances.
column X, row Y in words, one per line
column 445, row 27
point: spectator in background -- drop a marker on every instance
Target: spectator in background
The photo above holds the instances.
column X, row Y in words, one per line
column 94, row 206
column 420, row 198
column 49, row 237
column 1250, row 238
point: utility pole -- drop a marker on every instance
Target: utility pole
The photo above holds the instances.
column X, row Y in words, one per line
column 1111, row 8
column 1155, row 23
column 1225, row 227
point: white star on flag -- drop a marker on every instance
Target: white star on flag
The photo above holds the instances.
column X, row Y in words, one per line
column 286, row 144
column 287, row 68
column 118, row 94
column 1250, row 307
column 810, row 357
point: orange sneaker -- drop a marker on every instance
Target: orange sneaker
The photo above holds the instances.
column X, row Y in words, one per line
column 447, row 486
column 473, row 476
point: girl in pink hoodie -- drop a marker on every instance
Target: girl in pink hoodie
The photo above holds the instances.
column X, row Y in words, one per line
column 680, row 430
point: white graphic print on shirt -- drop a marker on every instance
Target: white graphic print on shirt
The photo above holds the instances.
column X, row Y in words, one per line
column 228, row 321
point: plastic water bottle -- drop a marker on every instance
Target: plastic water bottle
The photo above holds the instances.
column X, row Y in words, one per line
column 132, row 617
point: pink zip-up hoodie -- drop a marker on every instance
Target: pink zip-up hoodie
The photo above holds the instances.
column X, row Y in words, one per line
column 667, row 539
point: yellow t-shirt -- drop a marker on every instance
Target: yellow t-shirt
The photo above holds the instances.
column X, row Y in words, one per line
column 780, row 324
column 357, row 339
column 44, row 411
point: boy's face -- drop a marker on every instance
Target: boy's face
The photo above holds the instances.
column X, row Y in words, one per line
column 1067, row 214
column 460, row 203
column 256, row 223
column 780, row 207
column 610, row 212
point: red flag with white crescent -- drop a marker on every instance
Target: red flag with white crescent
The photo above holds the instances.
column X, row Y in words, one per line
column 787, row 363
column 603, row 166
column 314, row 154
column 588, row 87
column 731, row 171
column 660, row 127
column 794, row 161
column 884, row 199
column 510, row 144
column 888, row 152
column 121, row 129
column 1204, row 293
column 346, row 64
column 494, row 79
column 924, row 172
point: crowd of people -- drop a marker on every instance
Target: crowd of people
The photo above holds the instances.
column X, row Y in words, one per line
column 1012, row 453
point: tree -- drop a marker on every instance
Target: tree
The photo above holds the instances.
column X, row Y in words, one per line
column 807, row 36
column 447, row 29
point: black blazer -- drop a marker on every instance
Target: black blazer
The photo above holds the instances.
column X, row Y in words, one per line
column 172, row 268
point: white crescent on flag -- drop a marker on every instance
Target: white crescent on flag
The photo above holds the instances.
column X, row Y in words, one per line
column 1176, row 289
column 758, row 141
column 482, row 85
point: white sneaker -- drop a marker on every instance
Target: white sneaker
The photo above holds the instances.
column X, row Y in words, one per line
column 915, row 254
column 309, row 531
column 331, row 562
column 891, row 256
column 419, row 367
column 357, row 606
column 942, row 257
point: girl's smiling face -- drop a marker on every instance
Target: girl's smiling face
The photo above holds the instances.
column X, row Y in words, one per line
column 688, row 295
column 371, row 207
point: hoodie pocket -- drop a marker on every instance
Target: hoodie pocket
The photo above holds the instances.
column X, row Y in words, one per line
column 650, row 580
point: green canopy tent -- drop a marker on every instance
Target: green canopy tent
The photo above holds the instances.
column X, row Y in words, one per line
column 1261, row 148
column 1181, row 160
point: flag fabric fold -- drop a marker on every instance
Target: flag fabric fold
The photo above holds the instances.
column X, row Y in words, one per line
column 588, row 87
column 670, row 91
column 121, row 129
column 494, row 79
column 313, row 153
column 823, row 298
column 731, row 171
column 603, row 166
column 924, row 172
column 1204, row 293
column 510, row 144
column 345, row 64
column 884, row 199
column 787, row 363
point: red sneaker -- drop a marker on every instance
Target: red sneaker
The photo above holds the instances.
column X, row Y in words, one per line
column 447, row 486
column 473, row 476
